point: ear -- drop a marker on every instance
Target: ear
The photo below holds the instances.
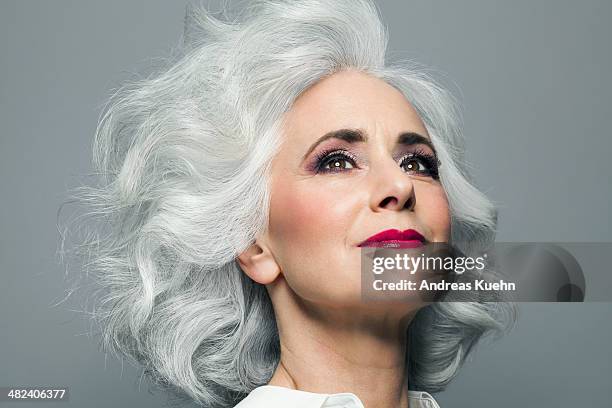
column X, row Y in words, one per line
column 259, row 264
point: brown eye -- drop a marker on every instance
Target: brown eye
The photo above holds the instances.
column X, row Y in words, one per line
column 420, row 164
column 413, row 165
column 338, row 163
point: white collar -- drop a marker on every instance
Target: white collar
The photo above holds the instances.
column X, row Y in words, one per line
column 272, row 396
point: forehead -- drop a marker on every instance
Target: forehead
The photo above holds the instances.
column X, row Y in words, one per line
column 351, row 99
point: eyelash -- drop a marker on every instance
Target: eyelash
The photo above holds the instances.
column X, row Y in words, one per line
column 429, row 160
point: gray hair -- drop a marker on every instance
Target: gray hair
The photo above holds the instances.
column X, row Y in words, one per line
column 184, row 157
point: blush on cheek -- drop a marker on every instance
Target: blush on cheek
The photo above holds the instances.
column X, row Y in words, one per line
column 307, row 219
column 293, row 214
column 440, row 214
column 308, row 228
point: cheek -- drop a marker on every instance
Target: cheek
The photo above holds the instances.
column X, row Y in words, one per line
column 435, row 211
column 306, row 217
column 309, row 222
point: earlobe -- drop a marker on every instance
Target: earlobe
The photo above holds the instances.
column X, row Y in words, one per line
column 259, row 264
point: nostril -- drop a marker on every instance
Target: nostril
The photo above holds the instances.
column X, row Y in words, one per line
column 409, row 204
column 387, row 201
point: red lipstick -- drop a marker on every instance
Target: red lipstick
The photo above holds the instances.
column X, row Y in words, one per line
column 394, row 238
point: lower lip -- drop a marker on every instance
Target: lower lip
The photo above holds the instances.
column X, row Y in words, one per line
column 394, row 244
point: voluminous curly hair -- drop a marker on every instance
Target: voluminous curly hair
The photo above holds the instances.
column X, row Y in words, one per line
column 184, row 157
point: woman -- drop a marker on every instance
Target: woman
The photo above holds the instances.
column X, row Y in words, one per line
column 239, row 186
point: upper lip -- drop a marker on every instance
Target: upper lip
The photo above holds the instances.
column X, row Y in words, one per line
column 395, row 235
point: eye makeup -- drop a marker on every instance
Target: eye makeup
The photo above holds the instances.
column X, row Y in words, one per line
column 328, row 161
column 419, row 161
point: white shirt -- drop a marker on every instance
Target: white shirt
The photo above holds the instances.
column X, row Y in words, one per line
column 272, row 396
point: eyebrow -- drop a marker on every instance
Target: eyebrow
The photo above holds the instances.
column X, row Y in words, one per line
column 357, row 135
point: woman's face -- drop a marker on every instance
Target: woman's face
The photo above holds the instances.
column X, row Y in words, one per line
column 355, row 160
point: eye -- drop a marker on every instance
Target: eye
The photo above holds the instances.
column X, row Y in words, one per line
column 336, row 161
column 414, row 164
column 420, row 163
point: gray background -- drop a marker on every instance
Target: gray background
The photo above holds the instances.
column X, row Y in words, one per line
column 533, row 79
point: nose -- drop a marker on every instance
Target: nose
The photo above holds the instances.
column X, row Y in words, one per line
column 393, row 189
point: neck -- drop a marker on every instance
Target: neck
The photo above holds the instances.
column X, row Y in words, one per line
column 332, row 350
